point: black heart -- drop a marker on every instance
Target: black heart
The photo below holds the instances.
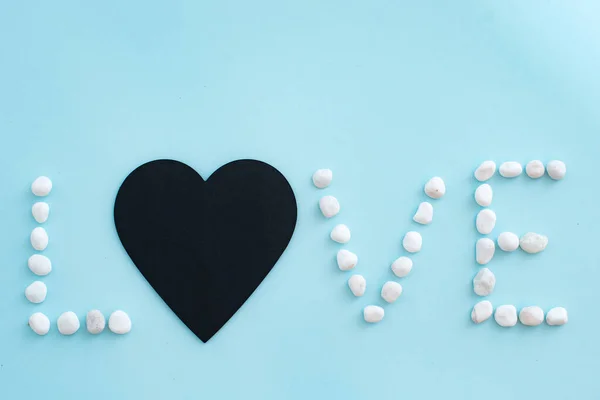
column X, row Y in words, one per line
column 205, row 246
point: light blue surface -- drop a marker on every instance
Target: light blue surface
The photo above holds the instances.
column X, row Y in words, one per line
column 387, row 94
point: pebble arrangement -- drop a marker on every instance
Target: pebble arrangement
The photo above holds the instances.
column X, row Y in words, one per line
column 484, row 281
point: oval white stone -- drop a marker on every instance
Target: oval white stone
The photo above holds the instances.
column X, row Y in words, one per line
column 484, row 282
column 95, row 322
column 506, row 316
column 435, row 187
column 484, row 250
column 39, row 323
column 39, row 264
column 39, row 238
column 556, row 169
column 486, row 221
column 41, row 186
column 424, row 214
column 340, row 233
column 329, row 206
column 36, row 292
column 412, row 242
column 557, row 316
column 346, row 260
column 40, row 212
column 533, row 242
column 119, row 322
column 511, row 169
column 322, row 178
column 68, row 323
column 485, row 171
column 531, row 316
column 482, row 311
column 535, row 169
column 484, row 195
column 508, row 241
column 402, row 266
column 391, row 291
column 357, row 285
column 373, row 314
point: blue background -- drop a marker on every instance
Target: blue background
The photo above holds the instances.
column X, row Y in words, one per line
column 385, row 93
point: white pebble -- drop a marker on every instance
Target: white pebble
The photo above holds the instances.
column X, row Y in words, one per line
column 535, row 169
column 402, row 266
column 329, row 206
column 95, row 322
column 484, row 282
column 486, row 221
column 533, row 242
column 346, row 260
column 424, row 214
column 68, row 323
column 39, row 323
column 36, row 292
column 556, row 169
column 39, row 264
column 41, row 186
column 340, row 234
column 412, row 242
column 484, row 250
column 357, row 285
column 322, row 178
column 485, row 171
column 373, row 314
column 391, row 291
column 484, row 195
column 531, row 316
column 506, row 316
column 435, row 188
column 508, row 241
column 482, row 311
column 557, row 316
column 39, row 239
column 40, row 211
column 511, row 169
column 119, row 322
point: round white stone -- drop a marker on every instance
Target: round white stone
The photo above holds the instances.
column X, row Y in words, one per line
column 373, row 314
column 412, row 242
column 435, row 188
column 41, row 186
column 40, row 212
column 506, row 316
column 119, row 322
column 485, row 171
column 39, row 238
column 402, row 266
column 357, row 285
column 533, row 242
column 329, row 206
column 391, row 291
column 557, row 316
column 535, row 169
column 486, row 221
column 511, row 169
column 484, row 282
column 68, row 323
column 556, row 169
column 531, row 316
column 508, row 241
column 346, row 260
column 322, row 178
column 484, row 250
column 95, row 322
column 482, row 311
column 340, row 233
column 36, row 292
column 424, row 214
column 39, row 323
column 484, row 195
column 39, row 264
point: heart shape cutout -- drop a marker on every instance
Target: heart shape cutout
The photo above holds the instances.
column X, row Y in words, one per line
column 205, row 246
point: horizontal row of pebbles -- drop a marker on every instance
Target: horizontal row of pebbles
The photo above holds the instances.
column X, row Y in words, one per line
column 68, row 323
column 530, row 242
column 506, row 315
column 511, row 169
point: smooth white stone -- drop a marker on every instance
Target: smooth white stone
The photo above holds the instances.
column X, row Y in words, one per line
column 435, row 188
column 557, row 316
column 40, row 212
column 412, row 242
column 39, row 323
column 424, row 214
column 482, row 311
column 533, row 242
column 95, row 322
column 484, row 282
column 119, row 322
column 373, row 314
column 322, row 178
column 531, row 316
column 36, row 292
column 484, row 250
column 485, row 171
column 329, row 206
column 484, row 195
column 506, row 316
column 39, row 264
column 556, row 169
column 68, row 323
column 340, row 234
column 508, row 241
column 39, row 238
column 357, row 285
column 535, row 169
column 391, row 291
column 346, row 260
column 511, row 169
column 41, row 186
column 486, row 221
column 402, row 266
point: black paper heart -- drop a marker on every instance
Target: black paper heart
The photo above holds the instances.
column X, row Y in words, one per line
column 205, row 246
